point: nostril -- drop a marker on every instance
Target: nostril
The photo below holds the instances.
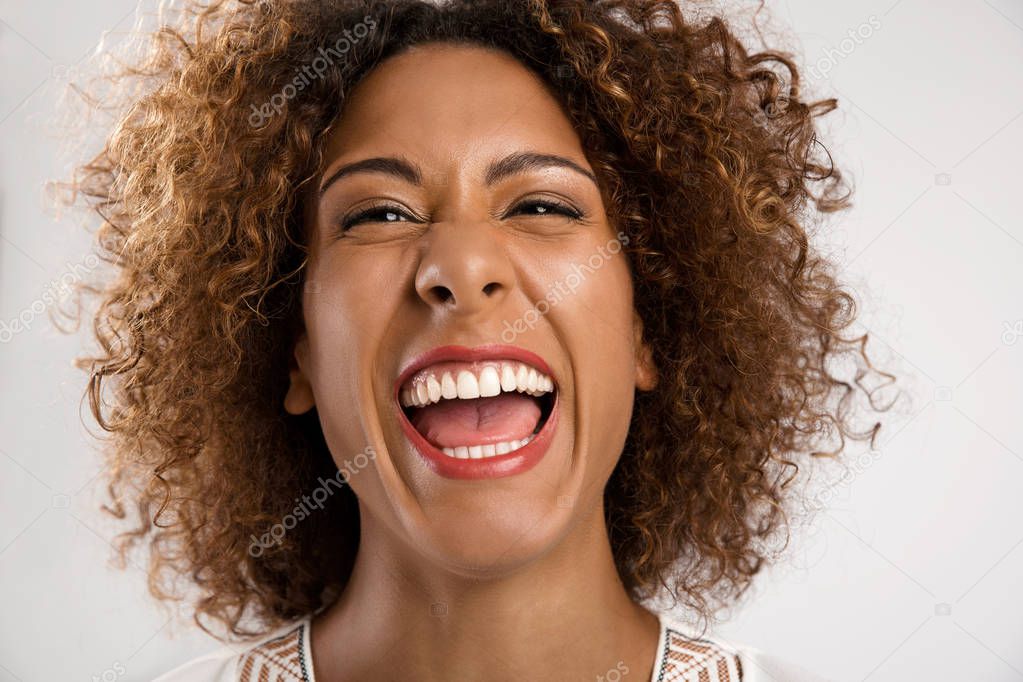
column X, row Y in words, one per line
column 439, row 293
column 442, row 293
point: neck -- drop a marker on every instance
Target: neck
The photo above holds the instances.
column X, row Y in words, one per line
column 563, row 616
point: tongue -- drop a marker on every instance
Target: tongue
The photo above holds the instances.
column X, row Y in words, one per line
column 504, row 417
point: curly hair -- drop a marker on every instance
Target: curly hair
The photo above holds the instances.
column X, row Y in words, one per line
column 708, row 159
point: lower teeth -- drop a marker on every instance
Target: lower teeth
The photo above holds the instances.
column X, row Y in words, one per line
column 484, row 451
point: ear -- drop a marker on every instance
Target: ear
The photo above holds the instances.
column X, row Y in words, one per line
column 299, row 398
column 646, row 371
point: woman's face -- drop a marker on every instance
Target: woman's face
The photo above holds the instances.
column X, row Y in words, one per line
column 485, row 255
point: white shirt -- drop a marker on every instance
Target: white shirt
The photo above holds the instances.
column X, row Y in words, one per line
column 285, row 656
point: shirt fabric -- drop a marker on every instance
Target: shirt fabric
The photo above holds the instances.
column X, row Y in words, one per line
column 285, row 656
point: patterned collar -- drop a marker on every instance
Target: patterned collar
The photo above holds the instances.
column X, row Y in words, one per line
column 680, row 658
column 286, row 658
column 683, row 658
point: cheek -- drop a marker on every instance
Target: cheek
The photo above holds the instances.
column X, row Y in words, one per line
column 595, row 319
column 348, row 312
column 604, row 318
column 598, row 306
column 350, row 304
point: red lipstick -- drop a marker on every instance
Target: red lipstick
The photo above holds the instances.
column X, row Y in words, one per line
column 496, row 466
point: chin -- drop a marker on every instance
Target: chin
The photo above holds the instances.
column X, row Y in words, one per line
column 491, row 545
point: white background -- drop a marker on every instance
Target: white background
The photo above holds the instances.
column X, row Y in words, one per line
column 914, row 571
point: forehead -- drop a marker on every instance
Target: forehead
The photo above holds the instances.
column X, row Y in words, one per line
column 443, row 102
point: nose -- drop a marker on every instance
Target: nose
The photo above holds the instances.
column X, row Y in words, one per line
column 464, row 268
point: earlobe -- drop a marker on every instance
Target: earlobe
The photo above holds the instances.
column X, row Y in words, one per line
column 646, row 371
column 299, row 398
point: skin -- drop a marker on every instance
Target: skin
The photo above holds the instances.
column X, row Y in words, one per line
column 500, row 579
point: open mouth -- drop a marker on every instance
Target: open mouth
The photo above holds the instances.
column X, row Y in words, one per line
column 479, row 409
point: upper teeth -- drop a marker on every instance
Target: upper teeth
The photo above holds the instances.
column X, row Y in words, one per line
column 428, row 387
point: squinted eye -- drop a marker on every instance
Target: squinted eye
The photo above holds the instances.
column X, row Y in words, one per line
column 547, row 207
column 393, row 214
column 376, row 214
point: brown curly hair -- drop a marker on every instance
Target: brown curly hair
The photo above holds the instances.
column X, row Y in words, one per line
column 708, row 160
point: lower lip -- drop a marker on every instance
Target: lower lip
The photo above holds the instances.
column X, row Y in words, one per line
column 498, row 466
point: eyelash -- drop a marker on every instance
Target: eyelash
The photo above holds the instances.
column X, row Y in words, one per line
column 374, row 210
column 557, row 206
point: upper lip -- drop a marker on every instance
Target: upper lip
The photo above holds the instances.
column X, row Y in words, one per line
column 494, row 351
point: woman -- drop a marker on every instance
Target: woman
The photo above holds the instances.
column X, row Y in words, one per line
column 444, row 335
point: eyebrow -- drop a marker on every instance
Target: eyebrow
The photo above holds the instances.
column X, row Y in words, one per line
column 518, row 162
